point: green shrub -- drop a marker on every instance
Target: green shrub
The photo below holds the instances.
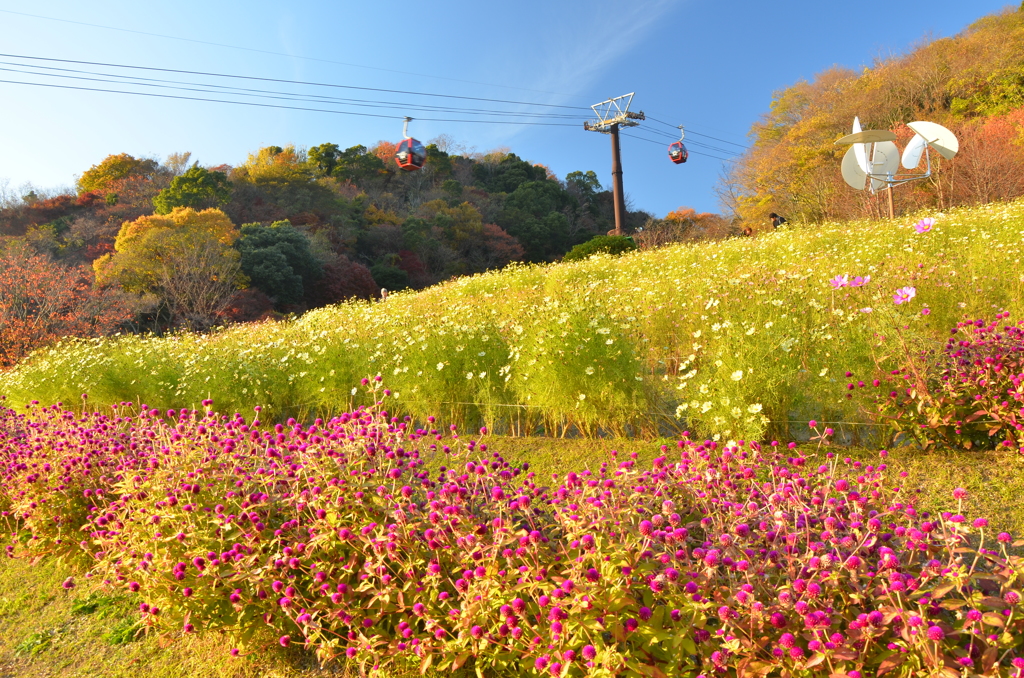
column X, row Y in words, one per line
column 602, row 244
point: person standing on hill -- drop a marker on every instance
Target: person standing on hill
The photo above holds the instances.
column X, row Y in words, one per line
column 777, row 220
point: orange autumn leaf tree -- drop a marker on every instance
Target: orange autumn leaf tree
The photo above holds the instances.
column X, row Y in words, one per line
column 185, row 259
column 42, row 301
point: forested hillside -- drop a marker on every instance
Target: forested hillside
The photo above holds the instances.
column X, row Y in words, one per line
column 972, row 83
column 142, row 244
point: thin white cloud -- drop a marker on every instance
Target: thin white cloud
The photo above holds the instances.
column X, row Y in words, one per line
column 574, row 49
column 578, row 52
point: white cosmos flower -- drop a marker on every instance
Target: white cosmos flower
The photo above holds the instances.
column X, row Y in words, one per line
column 737, row 375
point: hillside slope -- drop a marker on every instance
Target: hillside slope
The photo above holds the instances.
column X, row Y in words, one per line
column 972, row 82
column 741, row 338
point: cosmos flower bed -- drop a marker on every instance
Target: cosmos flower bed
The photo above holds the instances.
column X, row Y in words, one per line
column 744, row 338
column 351, row 538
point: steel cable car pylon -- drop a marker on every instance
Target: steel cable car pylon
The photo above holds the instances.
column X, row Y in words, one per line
column 410, row 153
column 677, row 152
column 612, row 114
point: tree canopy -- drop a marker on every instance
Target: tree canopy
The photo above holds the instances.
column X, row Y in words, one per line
column 278, row 260
column 185, row 260
column 197, row 188
column 98, row 178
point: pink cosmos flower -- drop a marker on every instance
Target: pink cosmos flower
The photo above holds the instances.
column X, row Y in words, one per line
column 904, row 294
column 839, row 281
column 860, row 281
column 924, row 225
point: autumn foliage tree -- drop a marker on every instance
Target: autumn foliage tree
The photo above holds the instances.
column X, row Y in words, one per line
column 98, row 178
column 972, row 83
column 42, row 301
column 185, row 260
column 682, row 225
column 197, row 188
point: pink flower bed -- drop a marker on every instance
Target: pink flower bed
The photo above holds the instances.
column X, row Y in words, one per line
column 716, row 560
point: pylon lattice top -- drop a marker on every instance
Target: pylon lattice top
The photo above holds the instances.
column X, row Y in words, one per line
column 614, row 112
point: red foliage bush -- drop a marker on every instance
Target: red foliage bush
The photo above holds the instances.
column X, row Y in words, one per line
column 247, row 306
column 410, row 262
column 42, row 301
column 344, row 279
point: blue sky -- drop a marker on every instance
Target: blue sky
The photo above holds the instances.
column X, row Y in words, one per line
column 711, row 66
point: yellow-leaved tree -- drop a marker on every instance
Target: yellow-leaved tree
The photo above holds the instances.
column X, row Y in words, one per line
column 184, row 259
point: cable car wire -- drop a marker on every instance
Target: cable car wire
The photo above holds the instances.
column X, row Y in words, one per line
column 689, row 131
column 353, row 87
column 129, row 80
column 653, row 141
column 293, row 108
column 701, row 144
column 269, row 94
column 292, row 82
column 264, row 51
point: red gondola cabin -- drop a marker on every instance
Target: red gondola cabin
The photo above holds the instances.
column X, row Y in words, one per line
column 677, row 153
column 410, row 155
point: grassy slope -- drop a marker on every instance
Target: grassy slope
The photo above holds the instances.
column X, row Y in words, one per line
column 735, row 331
column 652, row 302
column 36, row 613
